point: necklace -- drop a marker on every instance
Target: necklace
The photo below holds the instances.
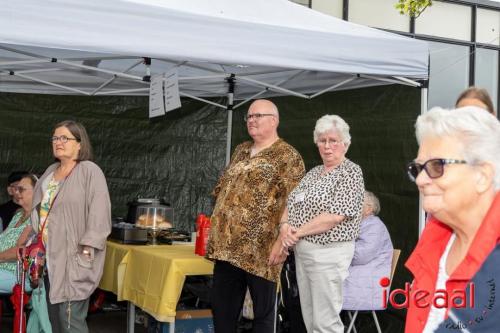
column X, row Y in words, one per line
column 23, row 219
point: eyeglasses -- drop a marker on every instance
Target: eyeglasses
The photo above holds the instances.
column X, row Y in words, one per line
column 257, row 116
column 21, row 189
column 333, row 143
column 434, row 167
column 62, row 138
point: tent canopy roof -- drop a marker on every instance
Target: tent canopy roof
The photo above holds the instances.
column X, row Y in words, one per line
column 97, row 47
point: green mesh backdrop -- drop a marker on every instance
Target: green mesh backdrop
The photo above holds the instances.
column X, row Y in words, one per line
column 180, row 156
column 383, row 142
column 177, row 157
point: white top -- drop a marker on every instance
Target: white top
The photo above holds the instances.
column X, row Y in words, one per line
column 436, row 315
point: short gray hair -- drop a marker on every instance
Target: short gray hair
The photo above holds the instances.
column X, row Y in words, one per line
column 372, row 201
column 332, row 122
column 475, row 129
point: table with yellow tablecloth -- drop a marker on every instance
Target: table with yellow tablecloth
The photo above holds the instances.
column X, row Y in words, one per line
column 151, row 276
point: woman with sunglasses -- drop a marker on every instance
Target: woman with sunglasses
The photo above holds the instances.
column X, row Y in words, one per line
column 457, row 171
column 16, row 233
column 73, row 216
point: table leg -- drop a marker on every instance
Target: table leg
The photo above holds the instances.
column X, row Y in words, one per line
column 130, row 317
column 171, row 327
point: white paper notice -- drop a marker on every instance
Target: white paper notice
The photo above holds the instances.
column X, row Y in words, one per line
column 172, row 98
column 156, row 105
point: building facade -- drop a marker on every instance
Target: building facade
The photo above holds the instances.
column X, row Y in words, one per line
column 464, row 39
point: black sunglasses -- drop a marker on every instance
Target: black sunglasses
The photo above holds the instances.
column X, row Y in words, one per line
column 434, row 167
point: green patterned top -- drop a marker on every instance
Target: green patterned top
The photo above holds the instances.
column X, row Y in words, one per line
column 9, row 238
column 47, row 200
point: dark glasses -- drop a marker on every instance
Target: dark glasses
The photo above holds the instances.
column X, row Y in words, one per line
column 434, row 167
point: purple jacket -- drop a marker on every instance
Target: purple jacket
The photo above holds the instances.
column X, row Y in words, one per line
column 372, row 260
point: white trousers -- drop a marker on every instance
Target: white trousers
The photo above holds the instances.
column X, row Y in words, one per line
column 321, row 271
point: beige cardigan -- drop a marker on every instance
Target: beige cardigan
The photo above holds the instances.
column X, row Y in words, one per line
column 81, row 215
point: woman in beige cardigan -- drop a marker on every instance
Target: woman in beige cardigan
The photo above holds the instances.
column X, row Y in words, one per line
column 72, row 208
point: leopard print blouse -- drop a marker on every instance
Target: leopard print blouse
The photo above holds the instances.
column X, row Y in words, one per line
column 250, row 199
column 338, row 192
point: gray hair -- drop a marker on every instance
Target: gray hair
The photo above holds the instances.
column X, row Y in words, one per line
column 372, row 201
column 477, row 131
column 332, row 122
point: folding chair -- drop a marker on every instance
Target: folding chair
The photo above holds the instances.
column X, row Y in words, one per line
column 353, row 314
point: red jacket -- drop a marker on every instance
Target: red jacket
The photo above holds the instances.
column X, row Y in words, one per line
column 423, row 263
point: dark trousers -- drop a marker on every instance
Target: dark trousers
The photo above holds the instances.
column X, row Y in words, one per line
column 228, row 293
column 67, row 317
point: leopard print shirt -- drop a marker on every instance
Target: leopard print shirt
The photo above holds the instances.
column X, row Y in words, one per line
column 338, row 192
column 250, row 199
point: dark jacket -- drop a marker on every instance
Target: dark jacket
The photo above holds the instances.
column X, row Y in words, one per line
column 424, row 262
column 484, row 317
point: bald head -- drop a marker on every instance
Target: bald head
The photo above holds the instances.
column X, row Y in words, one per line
column 264, row 106
column 263, row 121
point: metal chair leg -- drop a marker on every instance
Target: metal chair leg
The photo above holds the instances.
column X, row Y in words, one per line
column 353, row 319
column 376, row 322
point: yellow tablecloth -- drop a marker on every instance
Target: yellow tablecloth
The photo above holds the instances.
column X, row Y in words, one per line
column 151, row 277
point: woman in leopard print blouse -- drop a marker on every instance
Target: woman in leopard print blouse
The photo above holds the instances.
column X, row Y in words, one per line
column 322, row 221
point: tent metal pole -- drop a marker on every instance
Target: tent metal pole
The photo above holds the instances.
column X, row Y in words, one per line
column 114, row 77
column 266, row 89
column 385, row 79
column 13, row 50
column 421, row 212
column 202, row 100
column 250, row 98
column 230, row 101
column 188, row 64
column 188, row 78
column 51, row 84
column 29, row 71
column 21, row 62
column 111, row 92
column 91, row 68
column 411, row 82
column 272, row 87
column 335, row 86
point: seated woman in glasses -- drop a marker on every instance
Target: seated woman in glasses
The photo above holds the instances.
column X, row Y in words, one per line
column 457, row 172
column 16, row 233
column 371, row 261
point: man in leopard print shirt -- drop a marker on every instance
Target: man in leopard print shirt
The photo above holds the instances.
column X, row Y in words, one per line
column 250, row 198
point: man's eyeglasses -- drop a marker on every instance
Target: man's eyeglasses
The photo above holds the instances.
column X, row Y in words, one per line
column 434, row 167
column 333, row 143
column 257, row 116
column 62, row 138
column 21, row 189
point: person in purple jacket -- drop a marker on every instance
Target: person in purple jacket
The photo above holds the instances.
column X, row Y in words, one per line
column 371, row 261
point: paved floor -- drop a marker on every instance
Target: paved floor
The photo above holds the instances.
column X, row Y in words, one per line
column 101, row 322
column 116, row 322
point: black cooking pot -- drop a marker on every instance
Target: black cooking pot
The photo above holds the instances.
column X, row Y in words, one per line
column 132, row 206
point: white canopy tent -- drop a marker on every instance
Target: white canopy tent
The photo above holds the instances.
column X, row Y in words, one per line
column 236, row 48
column 63, row 46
